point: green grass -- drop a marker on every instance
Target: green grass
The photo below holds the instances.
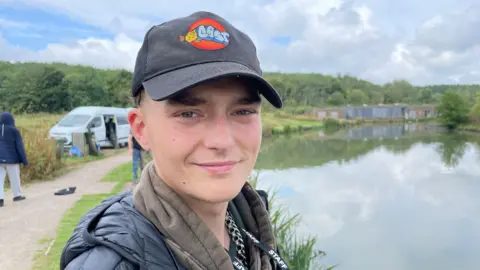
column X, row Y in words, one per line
column 69, row 220
column 280, row 123
column 472, row 127
column 122, row 175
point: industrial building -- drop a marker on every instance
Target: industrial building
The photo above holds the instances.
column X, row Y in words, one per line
column 394, row 111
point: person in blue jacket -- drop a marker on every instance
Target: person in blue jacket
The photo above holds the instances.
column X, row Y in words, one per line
column 12, row 153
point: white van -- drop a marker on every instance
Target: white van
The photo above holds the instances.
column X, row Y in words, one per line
column 94, row 118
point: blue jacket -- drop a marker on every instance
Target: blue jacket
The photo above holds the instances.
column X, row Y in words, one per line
column 12, row 150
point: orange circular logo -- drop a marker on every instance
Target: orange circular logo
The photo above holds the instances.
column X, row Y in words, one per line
column 207, row 34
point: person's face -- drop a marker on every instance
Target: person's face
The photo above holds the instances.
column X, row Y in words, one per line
column 204, row 143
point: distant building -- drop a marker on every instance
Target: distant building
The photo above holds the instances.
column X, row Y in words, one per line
column 394, row 111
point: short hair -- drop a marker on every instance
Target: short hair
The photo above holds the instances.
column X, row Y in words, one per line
column 137, row 99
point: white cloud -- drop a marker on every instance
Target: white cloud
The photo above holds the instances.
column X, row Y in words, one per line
column 330, row 36
column 117, row 53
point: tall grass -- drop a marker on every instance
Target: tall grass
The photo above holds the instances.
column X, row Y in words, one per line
column 298, row 252
column 41, row 151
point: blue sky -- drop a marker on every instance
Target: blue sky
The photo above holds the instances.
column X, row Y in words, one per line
column 43, row 27
column 430, row 41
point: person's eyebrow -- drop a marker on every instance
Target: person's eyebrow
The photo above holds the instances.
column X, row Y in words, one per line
column 186, row 100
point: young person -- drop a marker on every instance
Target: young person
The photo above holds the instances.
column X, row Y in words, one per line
column 197, row 85
column 135, row 150
column 12, row 154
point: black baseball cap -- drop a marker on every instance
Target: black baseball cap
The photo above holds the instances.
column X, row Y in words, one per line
column 187, row 51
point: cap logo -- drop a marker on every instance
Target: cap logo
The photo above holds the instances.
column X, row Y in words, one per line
column 207, row 34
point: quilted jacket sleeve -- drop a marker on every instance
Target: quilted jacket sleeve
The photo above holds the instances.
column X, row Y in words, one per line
column 100, row 258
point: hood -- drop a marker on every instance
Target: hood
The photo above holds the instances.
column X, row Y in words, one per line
column 7, row 119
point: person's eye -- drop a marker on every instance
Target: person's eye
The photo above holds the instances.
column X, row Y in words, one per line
column 188, row 114
column 244, row 112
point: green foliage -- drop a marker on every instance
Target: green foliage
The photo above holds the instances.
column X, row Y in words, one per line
column 56, row 88
column 453, row 109
column 475, row 111
column 357, row 97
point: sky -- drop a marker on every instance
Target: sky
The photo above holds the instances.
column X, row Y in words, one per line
column 424, row 42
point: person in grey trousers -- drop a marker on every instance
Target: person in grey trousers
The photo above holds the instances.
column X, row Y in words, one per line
column 12, row 153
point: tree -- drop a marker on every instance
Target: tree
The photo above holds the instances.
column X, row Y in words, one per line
column 357, row 97
column 426, row 96
column 453, row 110
column 336, row 99
column 41, row 87
column 475, row 111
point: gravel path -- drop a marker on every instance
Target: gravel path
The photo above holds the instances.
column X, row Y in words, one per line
column 23, row 224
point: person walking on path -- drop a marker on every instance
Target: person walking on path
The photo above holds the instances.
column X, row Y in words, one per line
column 135, row 150
column 197, row 85
column 12, row 153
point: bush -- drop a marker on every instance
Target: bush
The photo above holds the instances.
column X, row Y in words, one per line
column 331, row 123
column 453, row 110
column 41, row 154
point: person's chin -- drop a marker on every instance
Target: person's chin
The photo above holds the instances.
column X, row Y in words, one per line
column 221, row 192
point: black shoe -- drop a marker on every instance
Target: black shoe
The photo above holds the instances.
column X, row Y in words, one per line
column 65, row 191
column 19, row 198
column 1, row 203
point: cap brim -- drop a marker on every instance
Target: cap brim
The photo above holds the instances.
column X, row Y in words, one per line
column 165, row 85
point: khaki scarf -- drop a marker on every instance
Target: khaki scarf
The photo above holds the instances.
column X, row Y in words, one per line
column 181, row 226
column 189, row 238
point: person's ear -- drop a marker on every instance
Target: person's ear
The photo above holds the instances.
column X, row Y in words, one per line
column 137, row 126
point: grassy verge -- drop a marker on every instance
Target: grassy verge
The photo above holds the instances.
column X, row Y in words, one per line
column 280, row 123
column 470, row 127
column 51, row 260
column 54, row 247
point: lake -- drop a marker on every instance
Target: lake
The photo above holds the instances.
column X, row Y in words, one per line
column 386, row 197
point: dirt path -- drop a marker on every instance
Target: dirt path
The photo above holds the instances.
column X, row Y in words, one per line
column 23, row 224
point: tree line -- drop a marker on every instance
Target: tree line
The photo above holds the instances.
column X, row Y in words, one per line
column 56, row 87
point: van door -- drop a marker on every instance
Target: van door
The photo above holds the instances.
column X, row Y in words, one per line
column 123, row 129
column 97, row 126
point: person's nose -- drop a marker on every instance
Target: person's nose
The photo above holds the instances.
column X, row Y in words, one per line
column 219, row 134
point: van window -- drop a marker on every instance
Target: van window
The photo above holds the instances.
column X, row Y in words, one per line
column 96, row 122
column 72, row 120
column 122, row 120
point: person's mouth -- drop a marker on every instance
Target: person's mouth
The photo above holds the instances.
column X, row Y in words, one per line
column 221, row 167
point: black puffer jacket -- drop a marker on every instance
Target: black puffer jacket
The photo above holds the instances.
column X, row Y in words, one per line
column 114, row 235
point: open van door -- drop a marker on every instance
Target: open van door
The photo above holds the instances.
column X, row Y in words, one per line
column 97, row 126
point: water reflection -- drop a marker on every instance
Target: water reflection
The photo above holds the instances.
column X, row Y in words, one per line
column 346, row 146
column 405, row 203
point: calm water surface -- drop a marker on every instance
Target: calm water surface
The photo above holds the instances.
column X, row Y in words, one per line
column 382, row 198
